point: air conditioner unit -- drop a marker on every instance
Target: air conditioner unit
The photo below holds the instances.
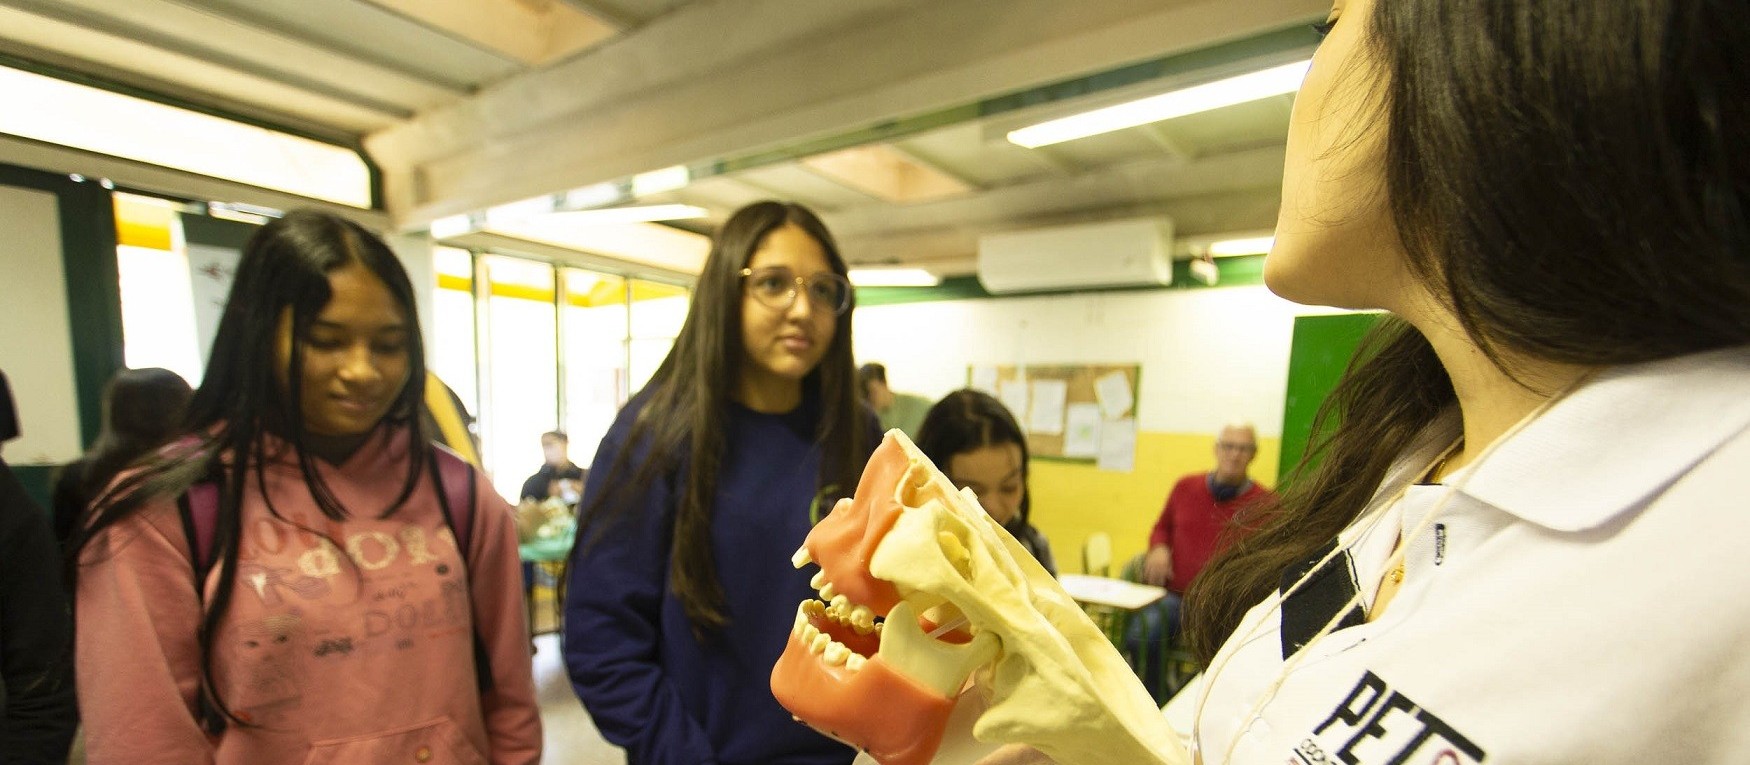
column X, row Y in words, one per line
column 1120, row 253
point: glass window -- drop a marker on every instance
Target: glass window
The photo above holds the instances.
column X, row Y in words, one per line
column 521, row 348
column 594, row 329
column 158, row 312
column 657, row 312
column 544, row 347
column 158, row 316
column 451, row 350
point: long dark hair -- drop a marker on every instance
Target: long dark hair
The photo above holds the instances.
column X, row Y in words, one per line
column 142, row 409
column 1567, row 176
column 284, row 267
column 968, row 420
column 681, row 422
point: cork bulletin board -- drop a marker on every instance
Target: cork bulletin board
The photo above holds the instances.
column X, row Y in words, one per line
column 1075, row 412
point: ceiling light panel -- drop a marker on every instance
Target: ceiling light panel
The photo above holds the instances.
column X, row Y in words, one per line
column 1200, row 98
column 893, row 277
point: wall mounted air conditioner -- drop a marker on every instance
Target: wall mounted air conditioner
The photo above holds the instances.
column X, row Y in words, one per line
column 1120, row 253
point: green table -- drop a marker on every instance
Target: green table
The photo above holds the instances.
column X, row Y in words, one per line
column 548, row 554
column 550, row 550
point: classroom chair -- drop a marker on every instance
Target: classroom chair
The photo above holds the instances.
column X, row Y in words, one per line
column 1164, row 663
column 1097, row 554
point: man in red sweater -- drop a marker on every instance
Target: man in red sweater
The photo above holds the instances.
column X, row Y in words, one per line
column 1184, row 539
column 1199, row 509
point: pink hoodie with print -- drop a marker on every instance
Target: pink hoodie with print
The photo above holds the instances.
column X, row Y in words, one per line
column 351, row 643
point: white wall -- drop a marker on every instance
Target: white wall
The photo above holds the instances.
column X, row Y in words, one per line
column 1209, row 356
column 36, row 341
column 415, row 252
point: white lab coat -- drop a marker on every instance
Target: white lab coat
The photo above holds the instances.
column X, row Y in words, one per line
column 1584, row 597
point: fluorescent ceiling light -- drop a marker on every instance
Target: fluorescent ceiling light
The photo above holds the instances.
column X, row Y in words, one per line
column 1230, row 247
column 1200, row 98
column 592, row 196
column 640, row 214
column 522, row 209
column 658, row 181
column 652, row 244
column 104, row 122
column 893, row 277
column 452, row 226
column 243, row 213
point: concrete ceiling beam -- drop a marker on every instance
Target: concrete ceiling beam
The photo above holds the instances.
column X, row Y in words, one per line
column 712, row 80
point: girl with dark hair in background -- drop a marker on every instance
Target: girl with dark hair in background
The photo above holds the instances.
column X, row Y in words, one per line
column 681, row 593
column 142, row 408
column 975, row 441
column 1520, row 535
column 340, row 620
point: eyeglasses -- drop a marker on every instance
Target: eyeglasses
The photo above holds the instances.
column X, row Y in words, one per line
column 1228, row 446
column 776, row 288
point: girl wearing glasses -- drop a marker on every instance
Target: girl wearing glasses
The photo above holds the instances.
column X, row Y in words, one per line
column 681, row 591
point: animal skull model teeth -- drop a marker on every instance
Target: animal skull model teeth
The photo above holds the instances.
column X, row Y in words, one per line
column 920, row 590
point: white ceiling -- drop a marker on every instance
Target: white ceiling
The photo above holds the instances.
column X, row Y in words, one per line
column 464, row 104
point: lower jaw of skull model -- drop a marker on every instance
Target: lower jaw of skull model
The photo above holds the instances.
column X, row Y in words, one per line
column 883, row 686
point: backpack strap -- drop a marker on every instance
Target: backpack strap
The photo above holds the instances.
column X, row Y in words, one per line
column 456, row 486
column 199, row 508
column 200, row 517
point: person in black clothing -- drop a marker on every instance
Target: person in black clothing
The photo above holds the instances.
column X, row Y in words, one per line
column 141, row 409
column 558, row 476
column 39, row 711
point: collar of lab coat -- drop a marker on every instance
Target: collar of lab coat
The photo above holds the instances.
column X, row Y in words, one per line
column 1607, row 447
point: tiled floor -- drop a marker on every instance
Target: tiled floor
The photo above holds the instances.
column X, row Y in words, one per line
column 571, row 739
column 570, row 736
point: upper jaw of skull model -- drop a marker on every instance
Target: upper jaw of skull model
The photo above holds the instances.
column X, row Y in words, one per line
column 859, row 664
column 955, row 595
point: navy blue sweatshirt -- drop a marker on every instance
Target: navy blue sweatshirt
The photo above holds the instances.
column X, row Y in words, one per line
column 649, row 684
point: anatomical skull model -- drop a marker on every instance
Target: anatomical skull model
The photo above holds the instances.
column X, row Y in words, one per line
column 919, row 590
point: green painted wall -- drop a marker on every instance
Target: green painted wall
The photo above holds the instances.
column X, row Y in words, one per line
column 1317, row 356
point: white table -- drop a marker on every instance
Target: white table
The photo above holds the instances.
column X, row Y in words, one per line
column 1106, row 591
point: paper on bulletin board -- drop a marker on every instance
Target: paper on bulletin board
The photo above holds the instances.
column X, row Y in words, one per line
column 1113, row 392
column 1118, row 445
column 985, row 379
column 1046, row 416
column 1081, row 431
column 1013, row 394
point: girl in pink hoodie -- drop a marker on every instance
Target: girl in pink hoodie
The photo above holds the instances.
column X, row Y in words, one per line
column 339, row 619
